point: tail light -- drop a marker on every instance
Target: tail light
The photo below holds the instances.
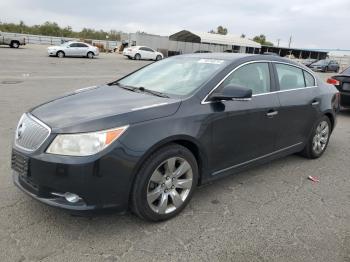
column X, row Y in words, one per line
column 333, row 81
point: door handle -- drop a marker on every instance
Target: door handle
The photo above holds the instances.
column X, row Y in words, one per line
column 315, row 103
column 272, row 113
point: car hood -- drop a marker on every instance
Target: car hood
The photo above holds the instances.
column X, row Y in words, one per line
column 102, row 107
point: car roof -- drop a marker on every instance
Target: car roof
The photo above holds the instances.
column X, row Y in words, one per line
column 241, row 56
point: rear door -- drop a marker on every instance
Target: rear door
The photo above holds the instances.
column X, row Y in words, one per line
column 299, row 104
column 143, row 52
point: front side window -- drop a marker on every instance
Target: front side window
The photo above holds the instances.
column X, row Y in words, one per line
column 81, row 45
column 290, row 77
column 178, row 76
column 255, row 76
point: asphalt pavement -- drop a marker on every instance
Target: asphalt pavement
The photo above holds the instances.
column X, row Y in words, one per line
column 269, row 213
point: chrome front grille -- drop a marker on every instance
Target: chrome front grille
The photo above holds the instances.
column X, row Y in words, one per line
column 31, row 133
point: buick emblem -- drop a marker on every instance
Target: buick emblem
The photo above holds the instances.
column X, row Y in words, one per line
column 20, row 130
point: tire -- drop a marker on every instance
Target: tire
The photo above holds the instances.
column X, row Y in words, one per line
column 14, row 44
column 60, row 54
column 159, row 57
column 326, row 69
column 318, row 141
column 90, row 55
column 159, row 194
column 137, row 57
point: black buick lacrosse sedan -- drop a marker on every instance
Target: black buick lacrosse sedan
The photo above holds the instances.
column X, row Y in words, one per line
column 147, row 140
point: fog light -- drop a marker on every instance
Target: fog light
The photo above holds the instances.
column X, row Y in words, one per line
column 72, row 198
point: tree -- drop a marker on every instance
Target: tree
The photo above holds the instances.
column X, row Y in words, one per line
column 220, row 30
column 53, row 29
column 261, row 39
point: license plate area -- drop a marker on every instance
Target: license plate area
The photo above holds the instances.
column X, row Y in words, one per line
column 20, row 164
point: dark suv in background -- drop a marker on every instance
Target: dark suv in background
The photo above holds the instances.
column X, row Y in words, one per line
column 325, row 65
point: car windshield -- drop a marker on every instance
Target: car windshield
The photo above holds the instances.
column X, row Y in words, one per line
column 321, row 62
column 178, row 76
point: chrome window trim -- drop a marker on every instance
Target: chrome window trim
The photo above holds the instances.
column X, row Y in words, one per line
column 203, row 102
column 40, row 123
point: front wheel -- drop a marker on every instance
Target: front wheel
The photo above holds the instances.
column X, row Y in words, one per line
column 165, row 183
column 90, row 55
column 159, row 57
column 137, row 57
column 319, row 139
column 60, row 54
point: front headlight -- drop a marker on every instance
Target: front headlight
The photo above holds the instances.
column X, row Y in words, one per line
column 84, row 144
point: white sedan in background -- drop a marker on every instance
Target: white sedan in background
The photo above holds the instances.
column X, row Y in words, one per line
column 73, row 49
column 142, row 52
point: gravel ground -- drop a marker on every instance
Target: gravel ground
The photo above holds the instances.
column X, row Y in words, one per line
column 270, row 213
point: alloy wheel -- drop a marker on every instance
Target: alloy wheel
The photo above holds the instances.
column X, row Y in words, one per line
column 320, row 138
column 169, row 185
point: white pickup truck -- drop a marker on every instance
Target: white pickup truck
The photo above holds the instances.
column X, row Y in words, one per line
column 11, row 41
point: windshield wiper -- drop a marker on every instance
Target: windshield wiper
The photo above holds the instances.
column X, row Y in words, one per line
column 130, row 88
column 149, row 91
column 140, row 89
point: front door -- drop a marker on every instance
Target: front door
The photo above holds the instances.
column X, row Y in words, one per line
column 244, row 131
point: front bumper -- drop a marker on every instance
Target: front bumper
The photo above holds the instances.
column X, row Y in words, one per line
column 101, row 181
column 51, row 52
column 49, row 199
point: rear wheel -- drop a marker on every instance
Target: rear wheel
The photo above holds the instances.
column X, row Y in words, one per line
column 137, row 57
column 319, row 139
column 165, row 183
column 60, row 54
column 90, row 55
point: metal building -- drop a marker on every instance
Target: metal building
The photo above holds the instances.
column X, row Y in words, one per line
column 191, row 41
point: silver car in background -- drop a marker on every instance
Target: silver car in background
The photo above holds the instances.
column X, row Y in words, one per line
column 73, row 49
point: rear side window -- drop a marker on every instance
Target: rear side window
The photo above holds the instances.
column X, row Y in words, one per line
column 255, row 76
column 309, row 79
column 290, row 77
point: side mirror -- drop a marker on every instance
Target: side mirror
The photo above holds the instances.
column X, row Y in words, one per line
column 231, row 92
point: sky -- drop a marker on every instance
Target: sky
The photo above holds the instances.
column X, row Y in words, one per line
column 312, row 24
